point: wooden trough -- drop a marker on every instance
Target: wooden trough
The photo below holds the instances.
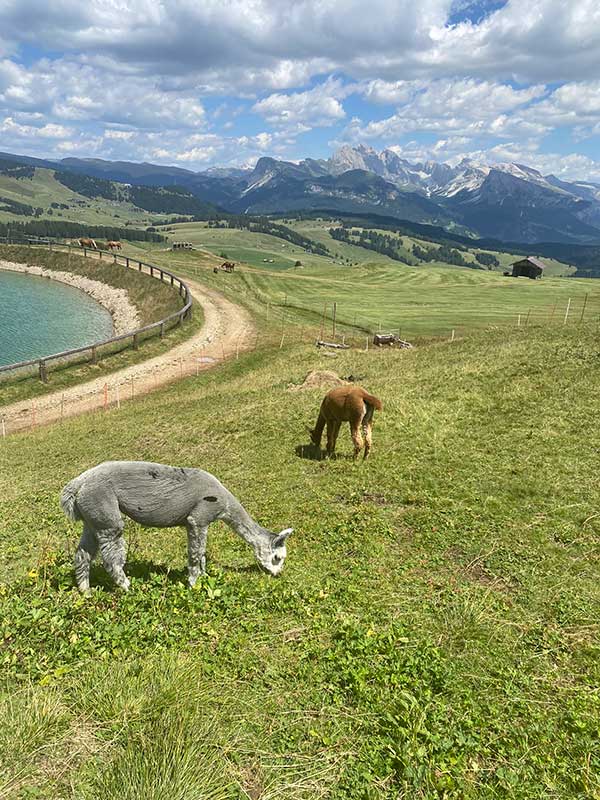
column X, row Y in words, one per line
column 389, row 339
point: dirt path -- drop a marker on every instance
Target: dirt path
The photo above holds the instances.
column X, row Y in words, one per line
column 227, row 330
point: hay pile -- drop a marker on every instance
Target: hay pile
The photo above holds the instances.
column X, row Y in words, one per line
column 318, row 379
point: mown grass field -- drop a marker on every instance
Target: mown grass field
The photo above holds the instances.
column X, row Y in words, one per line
column 434, row 633
column 429, row 300
column 153, row 299
column 257, row 250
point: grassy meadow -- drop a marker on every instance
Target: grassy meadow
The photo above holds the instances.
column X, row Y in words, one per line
column 375, row 294
column 43, row 189
column 434, row 633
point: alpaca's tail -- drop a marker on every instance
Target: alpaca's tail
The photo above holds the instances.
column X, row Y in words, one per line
column 68, row 499
column 372, row 401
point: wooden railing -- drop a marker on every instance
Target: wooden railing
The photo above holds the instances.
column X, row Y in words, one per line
column 160, row 327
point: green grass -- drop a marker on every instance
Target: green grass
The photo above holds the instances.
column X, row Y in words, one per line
column 43, row 189
column 153, row 300
column 434, row 633
column 420, row 301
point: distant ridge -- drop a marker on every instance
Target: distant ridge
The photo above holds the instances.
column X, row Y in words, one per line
column 507, row 202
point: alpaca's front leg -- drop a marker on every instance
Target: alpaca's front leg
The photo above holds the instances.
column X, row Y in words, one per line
column 114, row 552
column 197, row 536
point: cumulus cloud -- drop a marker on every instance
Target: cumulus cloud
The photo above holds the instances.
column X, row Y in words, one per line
column 301, row 111
column 463, row 107
column 486, row 73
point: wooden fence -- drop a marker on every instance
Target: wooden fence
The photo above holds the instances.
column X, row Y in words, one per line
column 90, row 352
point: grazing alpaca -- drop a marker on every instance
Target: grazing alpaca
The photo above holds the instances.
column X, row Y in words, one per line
column 113, row 245
column 346, row 404
column 163, row 497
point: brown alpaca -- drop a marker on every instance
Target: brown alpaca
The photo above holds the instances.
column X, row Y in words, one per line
column 346, row 404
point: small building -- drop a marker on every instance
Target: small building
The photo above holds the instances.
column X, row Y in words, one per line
column 529, row 267
column 182, row 246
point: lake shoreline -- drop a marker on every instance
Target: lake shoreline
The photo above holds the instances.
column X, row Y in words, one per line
column 124, row 314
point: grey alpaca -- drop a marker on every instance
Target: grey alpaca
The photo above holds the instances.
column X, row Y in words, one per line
column 159, row 496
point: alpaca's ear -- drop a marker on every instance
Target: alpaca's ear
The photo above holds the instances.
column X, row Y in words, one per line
column 279, row 540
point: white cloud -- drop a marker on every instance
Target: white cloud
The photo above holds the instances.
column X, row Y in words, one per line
column 131, row 70
column 463, row 107
column 301, row 111
column 49, row 131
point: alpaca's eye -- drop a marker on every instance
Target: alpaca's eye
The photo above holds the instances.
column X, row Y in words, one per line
column 276, row 559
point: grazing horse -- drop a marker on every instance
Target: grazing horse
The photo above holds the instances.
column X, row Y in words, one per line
column 88, row 243
column 346, row 404
column 113, row 245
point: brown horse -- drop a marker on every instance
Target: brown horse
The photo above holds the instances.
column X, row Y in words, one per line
column 113, row 245
column 88, row 243
column 346, row 404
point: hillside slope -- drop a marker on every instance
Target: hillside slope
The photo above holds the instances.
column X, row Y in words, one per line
column 439, row 605
column 30, row 192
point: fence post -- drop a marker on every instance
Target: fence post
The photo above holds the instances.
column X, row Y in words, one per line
column 584, row 305
column 567, row 312
column 333, row 319
column 43, row 372
column 162, row 330
column 139, row 266
column 94, row 356
column 127, row 261
column 135, row 342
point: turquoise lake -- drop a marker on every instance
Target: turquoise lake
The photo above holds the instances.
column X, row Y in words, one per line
column 39, row 317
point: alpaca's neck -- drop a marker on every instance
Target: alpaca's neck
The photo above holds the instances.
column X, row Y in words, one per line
column 242, row 523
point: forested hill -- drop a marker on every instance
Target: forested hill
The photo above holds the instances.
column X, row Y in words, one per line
column 160, row 199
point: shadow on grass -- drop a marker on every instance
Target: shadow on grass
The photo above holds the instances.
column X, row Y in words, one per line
column 310, row 451
column 144, row 570
column 314, row 453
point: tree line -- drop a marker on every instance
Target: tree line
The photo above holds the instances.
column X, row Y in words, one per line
column 266, row 225
column 380, row 243
column 62, row 229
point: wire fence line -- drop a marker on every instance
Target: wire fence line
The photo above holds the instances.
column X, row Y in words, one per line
column 92, row 352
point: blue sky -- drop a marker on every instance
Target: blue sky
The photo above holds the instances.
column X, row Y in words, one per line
column 224, row 82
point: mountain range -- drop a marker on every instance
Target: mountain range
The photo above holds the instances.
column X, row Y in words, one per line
column 510, row 202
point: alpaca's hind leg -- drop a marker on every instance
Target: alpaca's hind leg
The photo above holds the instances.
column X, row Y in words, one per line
column 197, row 535
column 356, row 437
column 84, row 555
column 114, row 552
column 368, row 438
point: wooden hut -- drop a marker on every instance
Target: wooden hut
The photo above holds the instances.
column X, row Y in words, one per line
column 529, row 267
